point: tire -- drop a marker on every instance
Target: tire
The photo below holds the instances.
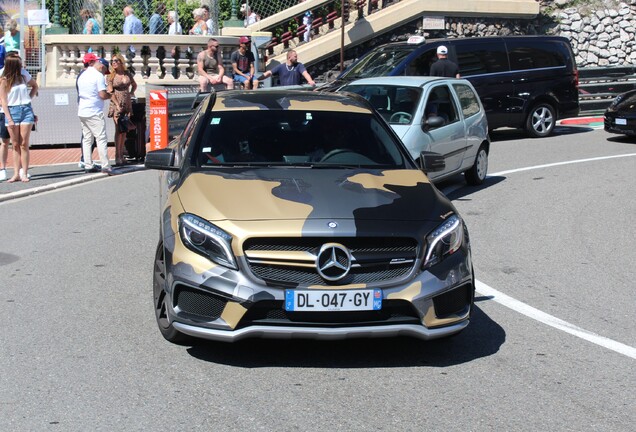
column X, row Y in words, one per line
column 541, row 120
column 476, row 174
column 160, row 301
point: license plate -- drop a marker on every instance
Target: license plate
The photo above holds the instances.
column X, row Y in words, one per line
column 332, row 301
column 621, row 121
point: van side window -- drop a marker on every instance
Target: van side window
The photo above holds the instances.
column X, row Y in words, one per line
column 422, row 64
column 532, row 55
column 467, row 99
column 440, row 102
column 477, row 58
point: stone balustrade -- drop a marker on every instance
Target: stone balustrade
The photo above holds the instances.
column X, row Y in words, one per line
column 155, row 59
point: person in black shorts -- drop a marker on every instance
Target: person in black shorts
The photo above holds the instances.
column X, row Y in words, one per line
column 443, row 67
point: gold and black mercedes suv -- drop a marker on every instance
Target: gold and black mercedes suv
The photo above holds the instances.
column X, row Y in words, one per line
column 297, row 214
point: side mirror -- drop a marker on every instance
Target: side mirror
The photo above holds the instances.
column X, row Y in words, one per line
column 432, row 162
column 432, row 122
column 161, row 160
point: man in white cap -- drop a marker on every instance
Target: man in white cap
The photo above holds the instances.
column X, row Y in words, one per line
column 443, row 67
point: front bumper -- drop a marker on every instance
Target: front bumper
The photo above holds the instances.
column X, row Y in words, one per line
column 320, row 333
column 228, row 305
column 609, row 123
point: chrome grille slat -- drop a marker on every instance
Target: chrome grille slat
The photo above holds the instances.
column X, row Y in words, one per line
column 396, row 256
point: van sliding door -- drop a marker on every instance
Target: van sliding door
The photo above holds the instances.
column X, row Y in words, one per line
column 486, row 66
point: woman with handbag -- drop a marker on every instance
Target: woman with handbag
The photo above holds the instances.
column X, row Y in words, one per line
column 121, row 85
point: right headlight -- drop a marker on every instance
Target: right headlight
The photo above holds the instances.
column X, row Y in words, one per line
column 445, row 240
column 206, row 239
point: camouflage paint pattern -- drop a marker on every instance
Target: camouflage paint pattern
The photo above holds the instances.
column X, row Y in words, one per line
column 271, row 202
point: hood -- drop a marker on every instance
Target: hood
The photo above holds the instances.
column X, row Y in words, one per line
column 305, row 193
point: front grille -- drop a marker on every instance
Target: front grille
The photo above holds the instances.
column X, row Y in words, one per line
column 373, row 259
column 272, row 313
column 199, row 303
column 453, row 302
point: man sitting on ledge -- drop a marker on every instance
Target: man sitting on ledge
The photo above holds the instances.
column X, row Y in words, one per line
column 210, row 67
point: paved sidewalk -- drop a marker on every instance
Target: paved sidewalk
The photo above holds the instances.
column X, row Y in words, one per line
column 54, row 168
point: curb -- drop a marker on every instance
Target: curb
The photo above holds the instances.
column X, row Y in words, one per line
column 59, row 185
column 581, row 120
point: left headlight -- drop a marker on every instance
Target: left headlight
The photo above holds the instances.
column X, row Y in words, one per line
column 445, row 240
column 206, row 239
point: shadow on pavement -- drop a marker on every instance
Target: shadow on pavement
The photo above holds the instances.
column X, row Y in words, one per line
column 624, row 139
column 459, row 193
column 500, row 135
column 482, row 338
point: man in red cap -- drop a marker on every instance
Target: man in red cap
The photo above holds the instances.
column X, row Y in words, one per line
column 243, row 64
column 88, row 59
column 91, row 89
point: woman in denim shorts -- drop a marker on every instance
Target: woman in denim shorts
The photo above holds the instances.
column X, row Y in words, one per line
column 15, row 98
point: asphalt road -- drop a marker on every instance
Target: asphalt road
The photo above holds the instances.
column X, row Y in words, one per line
column 551, row 345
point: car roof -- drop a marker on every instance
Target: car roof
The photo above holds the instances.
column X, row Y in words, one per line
column 289, row 100
column 410, row 81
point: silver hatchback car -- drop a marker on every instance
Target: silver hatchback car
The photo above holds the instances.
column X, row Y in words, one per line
column 437, row 115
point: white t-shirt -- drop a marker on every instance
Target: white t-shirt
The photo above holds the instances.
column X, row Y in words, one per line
column 250, row 19
column 211, row 29
column 175, row 28
column 27, row 77
column 89, row 84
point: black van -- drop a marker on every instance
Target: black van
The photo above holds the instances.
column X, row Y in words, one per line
column 524, row 82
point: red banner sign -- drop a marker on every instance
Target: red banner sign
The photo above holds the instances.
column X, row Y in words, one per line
column 158, row 119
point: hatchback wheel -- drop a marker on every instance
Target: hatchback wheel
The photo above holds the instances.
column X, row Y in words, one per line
column 541, row 121
column 477, row 173
column 161, row 298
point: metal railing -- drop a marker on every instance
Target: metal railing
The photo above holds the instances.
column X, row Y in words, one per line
column 598, row 86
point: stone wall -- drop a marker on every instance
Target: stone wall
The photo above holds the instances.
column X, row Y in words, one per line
column 602, row 32
column 601, row 36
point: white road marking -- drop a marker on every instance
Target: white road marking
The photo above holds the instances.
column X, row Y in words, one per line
column 552, row 321
column 500, row 173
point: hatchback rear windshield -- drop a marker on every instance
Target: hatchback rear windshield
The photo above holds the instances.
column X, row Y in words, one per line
column 297, row 138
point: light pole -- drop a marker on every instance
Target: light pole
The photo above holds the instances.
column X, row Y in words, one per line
column 56, row 28
column 342, row 33
column 233, row 21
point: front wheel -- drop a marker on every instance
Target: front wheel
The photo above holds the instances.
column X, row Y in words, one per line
column 476, row 174
column 161, row 301
column 541, row 120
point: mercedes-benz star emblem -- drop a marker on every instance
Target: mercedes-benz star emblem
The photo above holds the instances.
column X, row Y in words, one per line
column 333, row 262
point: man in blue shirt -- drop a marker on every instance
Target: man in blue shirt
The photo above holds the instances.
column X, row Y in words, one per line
column 132, row 24
column 156, row 24
column 291, row 72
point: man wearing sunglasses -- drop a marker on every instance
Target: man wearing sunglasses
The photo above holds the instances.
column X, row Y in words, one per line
column 210, row 67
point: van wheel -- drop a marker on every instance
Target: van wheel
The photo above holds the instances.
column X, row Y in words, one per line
column 541, row 120
column 476, row 174
column 160, row 301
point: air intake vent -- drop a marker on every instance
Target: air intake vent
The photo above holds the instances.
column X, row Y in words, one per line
column 199, row 303
column 453, row 302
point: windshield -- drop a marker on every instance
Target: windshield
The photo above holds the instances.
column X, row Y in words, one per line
column 378, row 63
column 396, row 104
column 297, row 138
